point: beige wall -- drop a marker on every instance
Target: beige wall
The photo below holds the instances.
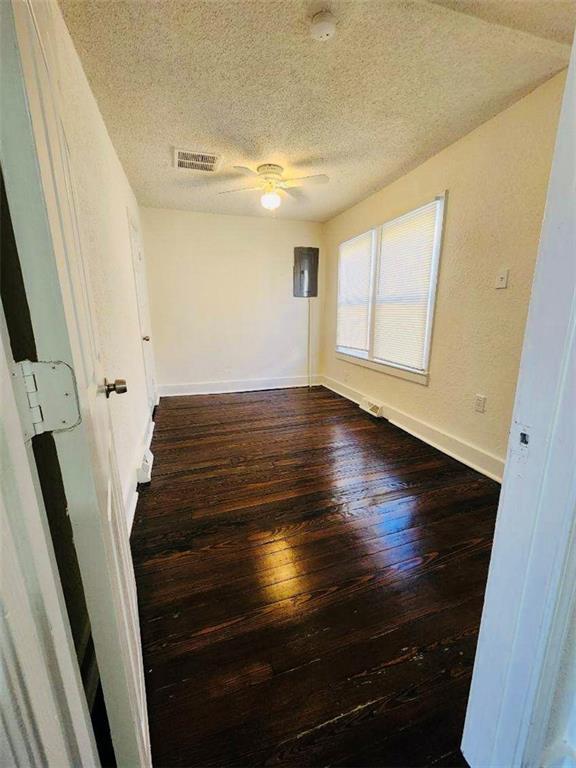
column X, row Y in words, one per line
column 104, row 201
column 496, row 179
column 223, row 314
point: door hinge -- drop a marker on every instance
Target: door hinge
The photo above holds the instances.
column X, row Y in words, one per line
column 47, row 397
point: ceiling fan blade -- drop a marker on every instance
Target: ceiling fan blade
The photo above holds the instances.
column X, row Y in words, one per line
column 294, row 191
column 318, row 178
column 243, row 169
column 239, row 189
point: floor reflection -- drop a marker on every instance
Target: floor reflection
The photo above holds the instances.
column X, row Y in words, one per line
column 279, row 572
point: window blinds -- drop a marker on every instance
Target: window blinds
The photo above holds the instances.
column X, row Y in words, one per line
column 386, row 287
column 354, row 292
column 402, row 297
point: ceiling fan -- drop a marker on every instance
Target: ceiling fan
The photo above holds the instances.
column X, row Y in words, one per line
column 271, row 183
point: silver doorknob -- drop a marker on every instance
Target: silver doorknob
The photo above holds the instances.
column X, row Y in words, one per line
column 118, row 386
column 145, row 338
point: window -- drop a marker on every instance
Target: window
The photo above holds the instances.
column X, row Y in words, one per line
column 386, row 289
column 355, row 269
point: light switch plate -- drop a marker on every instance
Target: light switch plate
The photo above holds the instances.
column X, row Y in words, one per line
column 480, row 403
column 502, row 279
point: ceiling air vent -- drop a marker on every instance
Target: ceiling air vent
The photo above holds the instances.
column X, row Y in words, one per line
column 196, row 161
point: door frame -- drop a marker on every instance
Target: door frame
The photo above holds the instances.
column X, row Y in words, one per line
column 45, row 716
column 144, row 324
column 41, row 209
column 531, row 589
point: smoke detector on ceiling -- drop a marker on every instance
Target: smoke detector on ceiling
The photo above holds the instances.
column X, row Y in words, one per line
column 195, row 160
column 323, row 26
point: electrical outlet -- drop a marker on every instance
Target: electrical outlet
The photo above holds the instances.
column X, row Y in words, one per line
column 480, row 403
column 502, row 279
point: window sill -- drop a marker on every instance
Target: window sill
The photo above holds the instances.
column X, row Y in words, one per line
column 390, row 370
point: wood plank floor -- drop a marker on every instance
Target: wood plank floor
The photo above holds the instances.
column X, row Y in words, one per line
column 310, row 584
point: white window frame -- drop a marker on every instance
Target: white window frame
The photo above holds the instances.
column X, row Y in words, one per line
column 367, row 359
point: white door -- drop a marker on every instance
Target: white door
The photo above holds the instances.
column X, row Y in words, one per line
column 44, row 715
column 28, row 736
column 47, row 230
column 143, row 312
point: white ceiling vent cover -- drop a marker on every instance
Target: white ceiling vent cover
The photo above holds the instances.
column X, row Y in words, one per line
column 192, row 160
column 371, row 407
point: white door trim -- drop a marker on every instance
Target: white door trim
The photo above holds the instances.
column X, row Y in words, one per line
column 45, row 713
column 46, row 221
column 531, row 579
column 144, row 324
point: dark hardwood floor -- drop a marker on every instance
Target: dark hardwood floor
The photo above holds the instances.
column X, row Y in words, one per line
column 310, row 583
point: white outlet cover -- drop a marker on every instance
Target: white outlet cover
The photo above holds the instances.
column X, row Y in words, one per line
column 480, row 403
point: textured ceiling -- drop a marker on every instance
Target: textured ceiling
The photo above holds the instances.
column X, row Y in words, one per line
column 242, row 78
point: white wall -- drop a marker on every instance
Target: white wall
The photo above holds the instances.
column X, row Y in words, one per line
column 105, row 199
column 223, row 314
column 496, row 178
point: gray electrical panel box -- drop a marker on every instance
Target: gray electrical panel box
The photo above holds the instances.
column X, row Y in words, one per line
column 305, row 272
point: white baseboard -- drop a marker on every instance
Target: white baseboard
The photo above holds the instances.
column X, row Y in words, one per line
column 143, row 455
column 487, row 463
column 144, row 471
column 131, row 508
column 241, row 385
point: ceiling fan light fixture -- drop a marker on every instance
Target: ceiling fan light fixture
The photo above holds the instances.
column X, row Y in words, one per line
column 270, row 200
column 270, row 182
